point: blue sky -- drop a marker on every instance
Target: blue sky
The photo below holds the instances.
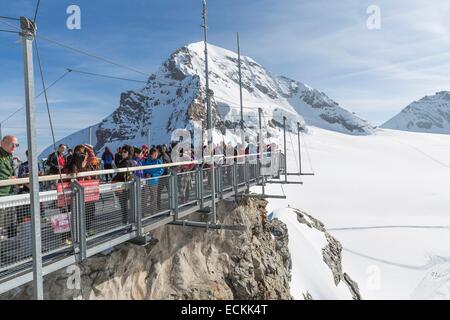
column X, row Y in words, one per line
column 325, row 44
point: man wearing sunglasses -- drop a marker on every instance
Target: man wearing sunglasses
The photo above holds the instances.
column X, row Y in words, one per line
column 8, row 218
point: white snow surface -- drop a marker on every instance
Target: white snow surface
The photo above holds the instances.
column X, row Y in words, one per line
column 385, row 197
column 310, row 275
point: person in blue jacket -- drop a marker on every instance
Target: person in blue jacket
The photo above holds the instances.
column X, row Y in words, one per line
column 138, row 162
column 153, row 199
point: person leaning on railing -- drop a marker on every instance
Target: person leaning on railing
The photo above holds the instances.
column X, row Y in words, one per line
column 154, row 196
column 165, row 156
column 125, row 162
column 24, row 211
column 84, row 160
column 137, row 162
column 8, row 218
column 56, row 161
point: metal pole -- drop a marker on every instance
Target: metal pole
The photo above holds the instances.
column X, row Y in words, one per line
column 299, row 150
column 209, row 118
column 28, row 33
column 240, row 91
column 285, row 152
column 261, row 149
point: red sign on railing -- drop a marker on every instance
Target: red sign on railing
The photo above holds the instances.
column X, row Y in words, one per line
column 91, row 192
column 60, row 223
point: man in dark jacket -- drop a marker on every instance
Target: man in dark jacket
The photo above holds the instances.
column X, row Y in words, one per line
column 118, row 157
column 126, row 162
column 8, row 219
column 56, row 162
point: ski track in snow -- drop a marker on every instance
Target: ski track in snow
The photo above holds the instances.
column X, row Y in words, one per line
column 426, row 266
column 423, row 153
column 387, row 227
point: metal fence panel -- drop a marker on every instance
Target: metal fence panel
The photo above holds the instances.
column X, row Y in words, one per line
column 240, row 173
column 15, row 228
column 111, row 212
column 206, row 180
column 74, row 218
column 227, row 178
column 187, row 188
column 155, row 196
column 253, row 171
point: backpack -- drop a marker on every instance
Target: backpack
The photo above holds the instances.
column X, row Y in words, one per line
column 108, row 159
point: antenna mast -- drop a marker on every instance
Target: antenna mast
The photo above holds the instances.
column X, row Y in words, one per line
column 209, row 118
column 240, row 91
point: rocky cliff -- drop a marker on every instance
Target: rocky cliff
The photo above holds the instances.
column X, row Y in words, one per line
column 190, row 263
column 187, row 263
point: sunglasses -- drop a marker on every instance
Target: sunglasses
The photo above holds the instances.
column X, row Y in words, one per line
column 12, row 145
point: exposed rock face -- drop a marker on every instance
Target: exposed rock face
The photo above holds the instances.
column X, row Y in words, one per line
column 320, row 110
column 332, row 254
column 188, row 263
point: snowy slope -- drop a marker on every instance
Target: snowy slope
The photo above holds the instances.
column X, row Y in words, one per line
column 319, row 110
column 174, row 95
column 429, row 114
column 310, row 273
column 385, row 198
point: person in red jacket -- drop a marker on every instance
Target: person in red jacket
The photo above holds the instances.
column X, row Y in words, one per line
column 56, row 160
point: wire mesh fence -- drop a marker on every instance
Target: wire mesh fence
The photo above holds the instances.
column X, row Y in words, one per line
column 93, row 210
column 241, row 173
column 155, row 195
column 56, row 222
column 107, row 211
column 282, row 163
column 253, row 171
column 187, row 188
column 15, row 233
column 206, row 181
column 217, row 180
column 227, row 177
column 275, row 165
column 16, row 228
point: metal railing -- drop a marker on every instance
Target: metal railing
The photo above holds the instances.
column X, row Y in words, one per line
column 84, row 217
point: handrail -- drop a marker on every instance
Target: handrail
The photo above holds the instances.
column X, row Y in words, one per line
column 108, row 230
column 47, row 178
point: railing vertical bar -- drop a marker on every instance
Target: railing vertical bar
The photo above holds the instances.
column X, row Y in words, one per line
column 137, row 192
column 82, row 222
column 175, row 194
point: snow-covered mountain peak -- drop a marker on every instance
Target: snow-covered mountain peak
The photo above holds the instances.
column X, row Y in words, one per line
column 429, row 114
column 175, row 95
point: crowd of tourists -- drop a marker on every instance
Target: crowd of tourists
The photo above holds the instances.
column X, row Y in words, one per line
column 82, row 158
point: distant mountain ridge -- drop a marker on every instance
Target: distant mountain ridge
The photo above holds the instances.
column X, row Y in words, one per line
column 430, row 114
